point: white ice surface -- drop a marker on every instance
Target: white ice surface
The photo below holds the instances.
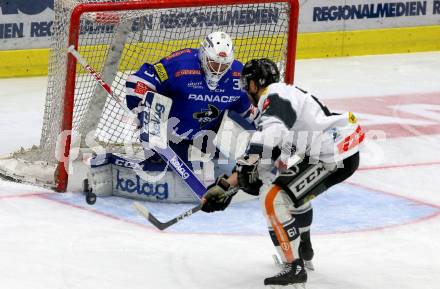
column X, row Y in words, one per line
column 48, row 244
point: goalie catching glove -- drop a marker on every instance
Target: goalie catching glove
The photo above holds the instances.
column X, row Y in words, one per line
column 248, row 178
column 218, row 196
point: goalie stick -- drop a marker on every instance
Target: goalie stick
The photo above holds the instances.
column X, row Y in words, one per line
column 167, row 153
column 97, row 77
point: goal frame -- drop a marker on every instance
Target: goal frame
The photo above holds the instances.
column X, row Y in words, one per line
column 61, row 172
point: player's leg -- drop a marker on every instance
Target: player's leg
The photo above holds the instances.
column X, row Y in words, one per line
column 304, row 217
column 305, row 182
column 350, row 165
column 284, row 232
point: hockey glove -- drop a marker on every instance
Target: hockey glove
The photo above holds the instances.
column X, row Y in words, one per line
column 218, row 196
column 248, row 179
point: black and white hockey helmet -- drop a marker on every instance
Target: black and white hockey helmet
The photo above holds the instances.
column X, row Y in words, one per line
column 262, row 71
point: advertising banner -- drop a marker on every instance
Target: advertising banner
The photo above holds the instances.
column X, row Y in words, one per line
column 337, row 15
column 26, row 24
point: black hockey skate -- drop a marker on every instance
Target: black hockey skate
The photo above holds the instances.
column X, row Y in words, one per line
column 293, row 275
column 306, row 251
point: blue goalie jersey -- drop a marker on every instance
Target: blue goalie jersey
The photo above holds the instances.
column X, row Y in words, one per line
column 180, row 77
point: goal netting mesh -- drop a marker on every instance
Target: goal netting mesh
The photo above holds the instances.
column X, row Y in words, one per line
column 117, row 43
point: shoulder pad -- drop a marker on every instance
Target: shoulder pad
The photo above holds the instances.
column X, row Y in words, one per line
column 279, row 108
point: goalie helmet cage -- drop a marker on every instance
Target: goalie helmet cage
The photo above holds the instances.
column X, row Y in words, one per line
column 116, row 37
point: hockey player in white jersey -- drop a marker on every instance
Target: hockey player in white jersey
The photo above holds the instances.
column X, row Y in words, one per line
column 299, row 150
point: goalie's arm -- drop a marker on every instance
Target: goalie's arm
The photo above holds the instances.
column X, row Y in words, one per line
column 138, row 84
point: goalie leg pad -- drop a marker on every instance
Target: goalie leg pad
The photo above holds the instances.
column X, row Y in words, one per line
column 99, row 176
column 134, row 178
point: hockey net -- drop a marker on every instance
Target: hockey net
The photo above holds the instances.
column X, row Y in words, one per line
column 116, row 37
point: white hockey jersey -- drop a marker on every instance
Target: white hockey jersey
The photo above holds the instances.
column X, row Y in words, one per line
column 291, row 121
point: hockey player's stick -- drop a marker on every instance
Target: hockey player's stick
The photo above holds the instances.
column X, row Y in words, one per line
column 163, row 225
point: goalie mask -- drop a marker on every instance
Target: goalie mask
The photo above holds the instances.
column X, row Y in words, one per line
column 216, row 55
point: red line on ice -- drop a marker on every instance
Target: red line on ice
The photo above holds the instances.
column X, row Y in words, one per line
column 22, row 196
column 399, row 166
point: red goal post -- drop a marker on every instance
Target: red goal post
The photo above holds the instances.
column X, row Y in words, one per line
column 117, row 36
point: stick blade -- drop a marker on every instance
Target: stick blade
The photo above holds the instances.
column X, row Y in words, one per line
column 141, row 209
column 147, row 215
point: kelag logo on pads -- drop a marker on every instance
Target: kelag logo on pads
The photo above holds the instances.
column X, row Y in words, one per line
column 129, row 185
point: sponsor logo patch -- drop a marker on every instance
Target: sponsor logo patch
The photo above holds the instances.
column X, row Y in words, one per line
column 351, row 141
column 177, row 53
column 195, row 85
column 156, row 119
column 213, row 98
column 141, row 88
column 161, row 72
column 187, row 72
column 137, row 186
column 207, row 115
column 180, row 168
column 352, row 118
column 307, row 181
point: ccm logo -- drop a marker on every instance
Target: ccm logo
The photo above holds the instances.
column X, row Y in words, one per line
column 309, row 179
column 124, row 163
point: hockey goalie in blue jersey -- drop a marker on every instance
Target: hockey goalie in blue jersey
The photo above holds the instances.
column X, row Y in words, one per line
column 202, row 83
